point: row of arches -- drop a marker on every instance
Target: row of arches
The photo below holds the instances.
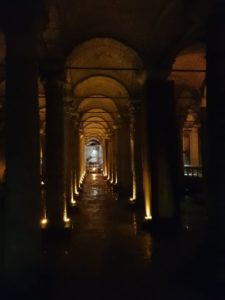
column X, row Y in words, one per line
column 103, row 86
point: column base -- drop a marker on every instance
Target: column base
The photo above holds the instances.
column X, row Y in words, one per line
column 57, row 233
column 161, row 226
column 132, row 202
column 73, row 208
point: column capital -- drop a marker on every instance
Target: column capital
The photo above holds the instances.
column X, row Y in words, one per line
column 52, row 71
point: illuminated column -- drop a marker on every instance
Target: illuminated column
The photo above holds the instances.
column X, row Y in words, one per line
column 108, row 158
column 115, row 157
column 137, row 133
column 67, row 154
column 81, row 162
column 145, row 155
column 111, row 158
column 43, row 215
column 124, row 157
column 105, row 172
column 134, row 184
column 22, row 206
column 194, row 146
column 75, row 157
column 161, row 175
column 70, row 162
column 55, row 187
column 42, row 156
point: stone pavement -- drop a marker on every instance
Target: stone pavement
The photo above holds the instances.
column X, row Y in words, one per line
column 110, row 256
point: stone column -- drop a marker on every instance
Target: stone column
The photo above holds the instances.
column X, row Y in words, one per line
column 22, row 204
column 81, row 158
column 75, row 153
column 215, row 171
column 133, row 165
column 115, row 156
column 162, row 150
column 124, row 157
column 68, row 156
column 55, row 187
column 104, row 158
column 137, row 129
column 107, row 157
column 194, row 146
column 111, row 158
column 203, row 137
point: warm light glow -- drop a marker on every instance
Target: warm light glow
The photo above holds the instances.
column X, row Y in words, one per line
column 82, row 179
column 116, row 181
column 76, row 191
column 147, row 191
column 44, row 221
column 42, row 182
column 72, row 200
column 134, row 191
column 148, row 218
column 65, row 217
column 75, row 186
column 94, row 169
column 94, row 176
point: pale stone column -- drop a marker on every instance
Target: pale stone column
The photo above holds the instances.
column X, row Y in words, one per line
column 22, row 204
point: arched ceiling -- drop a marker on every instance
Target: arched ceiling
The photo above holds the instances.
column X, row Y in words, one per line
column 107, row 57
column 192, row 59
column 102, row 85
column 188, row 73
column 107, row 36
column 97, row 101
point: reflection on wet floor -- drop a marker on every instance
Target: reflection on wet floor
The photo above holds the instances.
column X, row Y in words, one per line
column 110, row 256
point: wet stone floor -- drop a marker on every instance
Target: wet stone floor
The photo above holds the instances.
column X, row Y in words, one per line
column 110, row 256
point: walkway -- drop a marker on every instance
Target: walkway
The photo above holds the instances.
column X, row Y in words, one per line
column 111, row 257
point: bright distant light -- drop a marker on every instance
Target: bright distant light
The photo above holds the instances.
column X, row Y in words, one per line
column 94, row 152
column 44, row 221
